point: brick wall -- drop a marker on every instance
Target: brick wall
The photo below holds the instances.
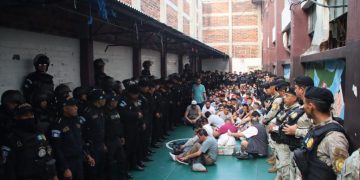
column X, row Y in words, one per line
column 151, row 8
column 243, row 6
column 215, row 36
column 244, row 20
column 245, row 51
column 186, row 7
column 186, row 26
column 172, row 19
column 215, row 21
column 248, row 35
column 224, row 49
column 209, row 8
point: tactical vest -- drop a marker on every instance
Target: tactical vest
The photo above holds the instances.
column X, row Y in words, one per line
column 291, row 140
column 33, row 155
column 306, row 159
column 275, row 136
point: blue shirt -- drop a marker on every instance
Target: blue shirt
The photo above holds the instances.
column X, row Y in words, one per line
column 198, row 91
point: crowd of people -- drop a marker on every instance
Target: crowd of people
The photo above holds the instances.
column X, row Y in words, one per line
column 105, row 131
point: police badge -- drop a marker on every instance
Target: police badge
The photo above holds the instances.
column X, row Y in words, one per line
column 42, row 152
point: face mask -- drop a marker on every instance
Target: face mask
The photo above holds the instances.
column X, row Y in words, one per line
column 28, row 125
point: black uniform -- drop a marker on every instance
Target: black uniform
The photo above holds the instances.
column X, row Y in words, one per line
column 28, row 156
column 114, row 132
column 94, row 134
column 129, row 111
column 37, row 82
column 66, row 139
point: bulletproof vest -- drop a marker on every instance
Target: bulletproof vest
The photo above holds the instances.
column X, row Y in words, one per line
column 94, row 127
column 40, row 82
column 290, row 140
column 258, row 144
column 275, row 136
column 33, row 154
column 306, row 159
column 114, row 126
column 271, row 99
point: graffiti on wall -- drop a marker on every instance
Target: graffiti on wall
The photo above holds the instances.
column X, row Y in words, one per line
column 287, row 71
column 327, row 74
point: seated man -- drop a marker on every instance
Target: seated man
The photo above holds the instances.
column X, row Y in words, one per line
column 214, row 120
column 207, row 108
column 256, row 142
column 227, row 126
column 206, row 153
column 193, row 113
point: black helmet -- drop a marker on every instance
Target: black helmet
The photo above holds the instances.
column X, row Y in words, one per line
column 147, row 64
column 80, row 91
column 96, row 94
column 12, row 96
column 99, row 62
column 41, row 59
column 38, row 97
column 62, row 90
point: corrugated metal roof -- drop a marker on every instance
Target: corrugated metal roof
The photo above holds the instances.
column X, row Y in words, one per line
column 131, row 11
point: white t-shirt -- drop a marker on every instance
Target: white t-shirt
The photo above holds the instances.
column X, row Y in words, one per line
column 250, row 132
column 211, row 110
column 208, row 129
column 216, row 120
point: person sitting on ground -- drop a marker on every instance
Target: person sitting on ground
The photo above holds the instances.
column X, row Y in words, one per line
column 207, row 108
column 227, row 126
column 205, row 125
column 225, row 114
column 204, row 153
column 214, row 120
column 193, row 113
column 256, row 142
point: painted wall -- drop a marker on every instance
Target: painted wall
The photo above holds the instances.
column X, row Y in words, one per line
column 328, row 74
column 63, row 53
column 171, row 64
column 118, row 60
column 154, row 56
column 215, row 64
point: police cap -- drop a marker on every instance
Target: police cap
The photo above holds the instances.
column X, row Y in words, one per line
column 319, row 95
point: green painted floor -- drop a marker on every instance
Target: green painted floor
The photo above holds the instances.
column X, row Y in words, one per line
column 226, row 168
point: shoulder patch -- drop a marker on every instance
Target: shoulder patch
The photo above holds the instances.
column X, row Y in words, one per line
column 275, row 106
column 55, row 133
column 123, row 104
column 293, row 115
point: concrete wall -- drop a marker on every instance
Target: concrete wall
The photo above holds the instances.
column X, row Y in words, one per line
column 118, row 60
column 63, row 54
column 172, row 64
column 154, row 56
column 215, row 64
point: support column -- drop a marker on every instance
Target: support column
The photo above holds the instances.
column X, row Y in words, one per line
column 163, row 57
column 352, row 74
column 180, row 63
column 136, row 59
column 199, row 63
column 86, row 56
column 300, row 40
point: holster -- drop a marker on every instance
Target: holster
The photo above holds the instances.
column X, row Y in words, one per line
column 300, row 158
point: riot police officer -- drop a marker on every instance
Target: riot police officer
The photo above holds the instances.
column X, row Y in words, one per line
column 66, row 138
column 40, row 80
column 146, row 68
column 325, row 147
column 43, row 111
column 80, row 94
column 94, row 133
column 115, row 140
column 130, row 111
column 27, row 153
column 10, row 99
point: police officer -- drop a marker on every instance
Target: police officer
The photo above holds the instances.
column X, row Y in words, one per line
column 94, row 133
column 43, row 111
column 100, row 75
column 325, row 145
column 80, row 94
column 27, row 153
column 130, row 111
column 10, row 99
column 66, row 138
column 115, row 140
column 285, row 144
column 40, row 80
column 146, row 68
column 351, row 168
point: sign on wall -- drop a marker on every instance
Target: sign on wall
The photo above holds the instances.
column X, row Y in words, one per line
column 327, row 74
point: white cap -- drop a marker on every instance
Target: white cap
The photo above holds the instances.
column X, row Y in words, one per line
column 193, row 102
